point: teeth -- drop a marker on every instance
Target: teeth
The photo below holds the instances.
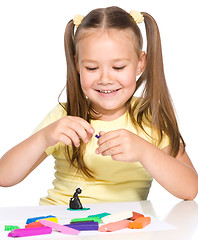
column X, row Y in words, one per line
column 106, row 91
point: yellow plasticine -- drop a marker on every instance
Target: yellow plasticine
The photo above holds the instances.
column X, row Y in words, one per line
column 50, row 219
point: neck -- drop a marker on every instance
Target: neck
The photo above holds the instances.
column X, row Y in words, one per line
column 111, row 115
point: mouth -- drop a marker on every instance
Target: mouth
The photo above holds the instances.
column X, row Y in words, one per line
column 108, row 91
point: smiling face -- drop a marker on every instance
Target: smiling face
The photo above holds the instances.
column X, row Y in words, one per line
column 108, row 65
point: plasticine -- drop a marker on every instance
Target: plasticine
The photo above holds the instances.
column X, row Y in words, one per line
column 58, row 227
column 114, row 226
column 117, row 217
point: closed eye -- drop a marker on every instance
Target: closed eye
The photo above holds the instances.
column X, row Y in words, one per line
column 91, row 68
column 119, row 68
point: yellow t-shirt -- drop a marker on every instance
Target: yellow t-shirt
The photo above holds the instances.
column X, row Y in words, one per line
column 114, row 181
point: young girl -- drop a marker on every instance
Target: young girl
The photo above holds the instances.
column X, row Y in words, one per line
column 138, row 139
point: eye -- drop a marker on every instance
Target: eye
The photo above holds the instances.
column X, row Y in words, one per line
column 119, row 68
column 91, row 69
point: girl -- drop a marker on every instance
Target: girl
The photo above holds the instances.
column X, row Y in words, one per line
column 139, row 137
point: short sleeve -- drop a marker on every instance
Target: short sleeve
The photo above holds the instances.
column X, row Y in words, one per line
column 55, row 114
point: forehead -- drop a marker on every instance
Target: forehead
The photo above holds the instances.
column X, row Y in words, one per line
column 98, row 37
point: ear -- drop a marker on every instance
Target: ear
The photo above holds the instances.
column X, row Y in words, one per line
column 141, row 63
column 77, row 64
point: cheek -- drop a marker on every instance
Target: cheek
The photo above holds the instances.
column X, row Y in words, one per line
column 85, row 83
column 131, row 87
column 129, row 80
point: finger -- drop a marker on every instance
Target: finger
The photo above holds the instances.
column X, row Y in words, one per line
column 78, row 126
column 70, row 133
column 101, row 133
column 66, row 140
column 112, row 151
column 87, row 126
column 105, row 137
column 81, row 132
column 108, row 144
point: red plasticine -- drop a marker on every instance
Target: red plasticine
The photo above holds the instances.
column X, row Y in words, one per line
column 136, row 215
column 33, row 225
column 140, row 223
column 114, row 226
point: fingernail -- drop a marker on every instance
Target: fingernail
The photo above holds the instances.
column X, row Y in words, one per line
column 97, row 151
column 101, row 132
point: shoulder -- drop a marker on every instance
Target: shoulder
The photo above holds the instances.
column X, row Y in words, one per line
column 56, row 113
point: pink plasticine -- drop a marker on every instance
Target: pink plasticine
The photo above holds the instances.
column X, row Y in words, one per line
column 114, row 226
column 60, row 228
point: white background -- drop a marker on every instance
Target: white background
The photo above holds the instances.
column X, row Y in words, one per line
column 33, row 72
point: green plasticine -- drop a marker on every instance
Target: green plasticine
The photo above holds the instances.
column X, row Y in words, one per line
column 10, row 227
column 100, row 215
column 95, row 219
column 80, row 209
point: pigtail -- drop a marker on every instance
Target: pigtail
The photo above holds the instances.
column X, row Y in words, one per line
column 156, row 101
column 71, row 70
column 76, row 101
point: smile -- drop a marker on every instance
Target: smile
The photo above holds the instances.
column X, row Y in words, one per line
column 107, row 91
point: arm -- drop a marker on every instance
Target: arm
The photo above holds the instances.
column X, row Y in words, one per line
column 19, row 161
column 176, row 175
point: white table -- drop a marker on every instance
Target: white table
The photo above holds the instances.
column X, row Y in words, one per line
column 181, row 214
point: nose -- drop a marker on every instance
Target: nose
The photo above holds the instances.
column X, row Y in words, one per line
column 105, row 78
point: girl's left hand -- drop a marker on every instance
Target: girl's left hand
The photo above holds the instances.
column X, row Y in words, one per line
column 122, row 145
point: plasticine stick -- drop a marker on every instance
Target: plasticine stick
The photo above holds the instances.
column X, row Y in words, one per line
column 136, row 215
column 114, row 226
column 26, row 232
column 52, row 219
column 30, row 220
column 117, row 217
column 140, row 223
column 95, row 219
column 33, row 225
column 58, row 227
column 100, row 215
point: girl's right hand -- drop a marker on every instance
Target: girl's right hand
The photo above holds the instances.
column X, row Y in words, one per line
column 67, row 130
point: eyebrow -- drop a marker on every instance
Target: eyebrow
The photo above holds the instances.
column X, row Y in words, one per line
column 88, row 61
column 113, row 60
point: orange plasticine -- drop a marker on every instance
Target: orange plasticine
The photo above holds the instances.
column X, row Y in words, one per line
column 140, row 223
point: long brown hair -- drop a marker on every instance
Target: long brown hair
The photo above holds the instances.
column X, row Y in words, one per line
column 155, row 103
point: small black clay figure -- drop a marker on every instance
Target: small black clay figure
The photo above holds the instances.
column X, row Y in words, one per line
column 75, row 201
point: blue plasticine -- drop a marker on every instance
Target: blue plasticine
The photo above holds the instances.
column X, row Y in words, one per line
column 85, row 226
column 31, row 220
column 97, row 136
